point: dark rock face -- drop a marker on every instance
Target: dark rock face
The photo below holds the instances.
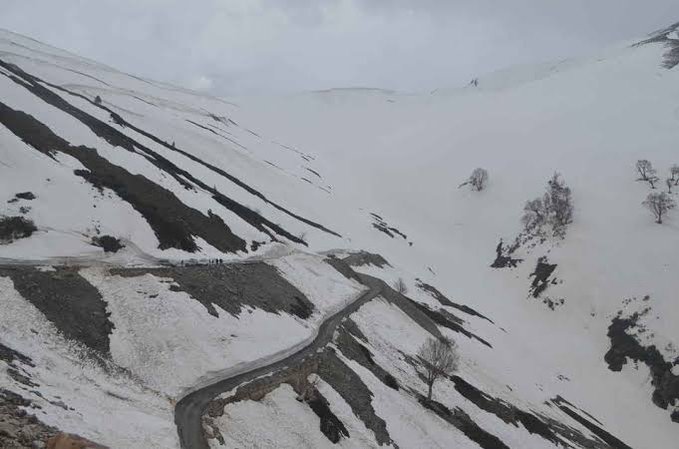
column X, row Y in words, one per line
column 625, row 346
column 66, row 299
column 231, row 287
column 14, row 228
column 18, row 428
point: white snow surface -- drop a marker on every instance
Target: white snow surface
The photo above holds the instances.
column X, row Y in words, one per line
column 402, row 157
column 320, row 282
column 108, row 408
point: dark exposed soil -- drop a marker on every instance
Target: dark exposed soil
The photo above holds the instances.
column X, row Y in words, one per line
column 350, row 386
column 625, row 346
column 25, row 196
column 503, row 258
column 108, row 243
column 541, row 277
column 354, row 350
column 66, row 299
column 115, row 137
column 314, row 172
column 612, row 441
column 14, row 228
column 122, row 122
column 446, row 319
column 414, row 310
column 9, row 355
column 506, row 412
column 172, row 221
column 464, row 423
column 331, row 426
column 383, row 226
column 233, row 286
column 440, row 297
column 362, row 258
column 14, row 360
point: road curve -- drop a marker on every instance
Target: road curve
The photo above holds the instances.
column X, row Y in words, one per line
column 189, row 410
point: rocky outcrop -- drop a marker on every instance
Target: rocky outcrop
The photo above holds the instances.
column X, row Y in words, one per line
column 18, row 428
column 69, row 441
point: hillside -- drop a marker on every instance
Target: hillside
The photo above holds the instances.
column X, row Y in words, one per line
column 157, row 243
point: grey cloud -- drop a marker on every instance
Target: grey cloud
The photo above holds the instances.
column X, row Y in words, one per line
column 251, row 46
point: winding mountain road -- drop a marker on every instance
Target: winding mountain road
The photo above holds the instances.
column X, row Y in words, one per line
column 190, row 408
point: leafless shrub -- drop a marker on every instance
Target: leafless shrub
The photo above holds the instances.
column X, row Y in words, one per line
column 478, row 179
column 400, row 286
column 674, row 174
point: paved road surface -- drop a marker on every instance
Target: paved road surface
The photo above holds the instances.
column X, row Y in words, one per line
column 189, row 410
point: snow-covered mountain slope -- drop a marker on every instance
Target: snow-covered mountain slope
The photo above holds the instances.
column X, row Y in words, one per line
column 573, row 346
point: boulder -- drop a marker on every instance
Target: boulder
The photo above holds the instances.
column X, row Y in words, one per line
column 69, row 441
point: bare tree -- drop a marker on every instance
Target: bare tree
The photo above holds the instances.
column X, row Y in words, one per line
column 674, row 174
column 646, row 172
column 558, row 201
column 400, row 286
column 645, row 169
column 534, row 214
column 439, row 358
column 652, row 180
column 659, row 203
column 555, row 207
column 478, row 179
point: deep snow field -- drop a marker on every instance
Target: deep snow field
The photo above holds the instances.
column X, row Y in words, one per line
column 180, row 178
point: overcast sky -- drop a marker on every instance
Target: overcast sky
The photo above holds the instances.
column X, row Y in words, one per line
column 230, row 47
